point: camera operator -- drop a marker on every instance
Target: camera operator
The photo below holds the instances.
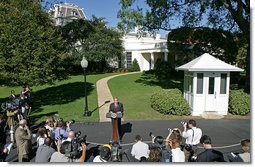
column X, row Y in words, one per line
column 13, row 96
column 26, row 91
column 24, row 106
column 173, row 141
column 105, row 154
column 49, row 126
column 192, row 134
column 70, row 136
column 69, row 153
column 61, row 130
column 158, row 142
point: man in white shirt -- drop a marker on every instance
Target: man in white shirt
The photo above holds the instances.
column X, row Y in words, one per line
column 192, row 134
column 140, row 149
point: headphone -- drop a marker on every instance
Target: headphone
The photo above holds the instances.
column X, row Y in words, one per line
column 105, row 152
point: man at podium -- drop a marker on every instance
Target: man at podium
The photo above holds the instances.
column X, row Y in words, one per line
column 117, row 107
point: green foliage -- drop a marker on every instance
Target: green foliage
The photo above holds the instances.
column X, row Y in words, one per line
column 170, row 102
column 31, row 50
column 239, row 102
column 231, row 15
column 135, row 66
column 193, row 42
column 96, row 41
column 164, row 70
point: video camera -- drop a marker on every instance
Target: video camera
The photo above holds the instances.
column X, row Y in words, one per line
column 74, row 149
column 79, row 139
column 9, row 106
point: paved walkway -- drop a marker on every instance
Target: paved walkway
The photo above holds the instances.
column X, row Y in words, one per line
column 104, row 94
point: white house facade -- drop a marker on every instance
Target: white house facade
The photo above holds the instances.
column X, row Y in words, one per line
column 146, row 50
column 206, row 84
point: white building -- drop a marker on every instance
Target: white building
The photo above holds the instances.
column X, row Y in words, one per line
column 146, row 50
column 206, row 84
column 64, row 13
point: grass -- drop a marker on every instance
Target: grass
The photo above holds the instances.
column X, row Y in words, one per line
column 135, row 90
column 65, row 99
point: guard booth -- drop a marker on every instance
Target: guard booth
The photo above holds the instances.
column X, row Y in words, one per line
column 206, row 84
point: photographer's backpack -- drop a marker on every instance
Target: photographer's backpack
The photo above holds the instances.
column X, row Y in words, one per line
column 166, row 154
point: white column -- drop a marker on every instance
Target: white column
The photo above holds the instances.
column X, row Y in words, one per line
column 152, row 61
column 166, row 56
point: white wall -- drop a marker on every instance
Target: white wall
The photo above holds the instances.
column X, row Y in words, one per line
column 201, row 100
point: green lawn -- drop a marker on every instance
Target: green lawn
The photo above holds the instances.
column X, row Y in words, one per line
column 65, row 99
column 135, row 91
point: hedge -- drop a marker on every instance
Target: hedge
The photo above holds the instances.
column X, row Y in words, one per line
column 239, row 102
column 170, row 102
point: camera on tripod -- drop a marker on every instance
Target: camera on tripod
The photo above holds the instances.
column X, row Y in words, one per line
column 79, row 139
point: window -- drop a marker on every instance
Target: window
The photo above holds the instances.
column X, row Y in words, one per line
column 211, row 85
column 200, row 80
column 223, row 84
column 129, row 59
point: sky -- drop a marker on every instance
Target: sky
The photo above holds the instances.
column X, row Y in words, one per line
column 107, row 9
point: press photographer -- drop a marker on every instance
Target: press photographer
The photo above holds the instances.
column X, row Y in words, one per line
column 192, row 134
column 158, row 142
column 62, row 129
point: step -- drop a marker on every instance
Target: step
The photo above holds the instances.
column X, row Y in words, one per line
column 212, row 115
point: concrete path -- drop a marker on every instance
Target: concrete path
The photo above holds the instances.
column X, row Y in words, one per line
column 104, row 94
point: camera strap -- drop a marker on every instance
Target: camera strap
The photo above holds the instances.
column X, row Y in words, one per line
column 192, row 136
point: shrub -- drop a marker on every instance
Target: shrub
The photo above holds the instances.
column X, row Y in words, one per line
column 170, row 102
column 164, row 70
column 135, row 66
column 239, row 102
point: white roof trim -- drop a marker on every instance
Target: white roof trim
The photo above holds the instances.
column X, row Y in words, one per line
column 206, row 62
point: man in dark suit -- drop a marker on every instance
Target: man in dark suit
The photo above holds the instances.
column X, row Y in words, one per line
column 115, row 107
column 210, row 154
column 23, row 138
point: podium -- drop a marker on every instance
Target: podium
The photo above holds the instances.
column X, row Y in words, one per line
column 115, row 130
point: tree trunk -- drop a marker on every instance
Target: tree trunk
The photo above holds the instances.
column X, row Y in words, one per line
column 247, row 81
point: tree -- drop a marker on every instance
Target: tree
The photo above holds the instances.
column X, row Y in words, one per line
column 31, row 50
column 192, row 42
column 92, row 39
column 231, row 15
column 135, row 66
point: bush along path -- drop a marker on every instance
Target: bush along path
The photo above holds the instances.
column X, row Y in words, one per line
column 104, row 94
